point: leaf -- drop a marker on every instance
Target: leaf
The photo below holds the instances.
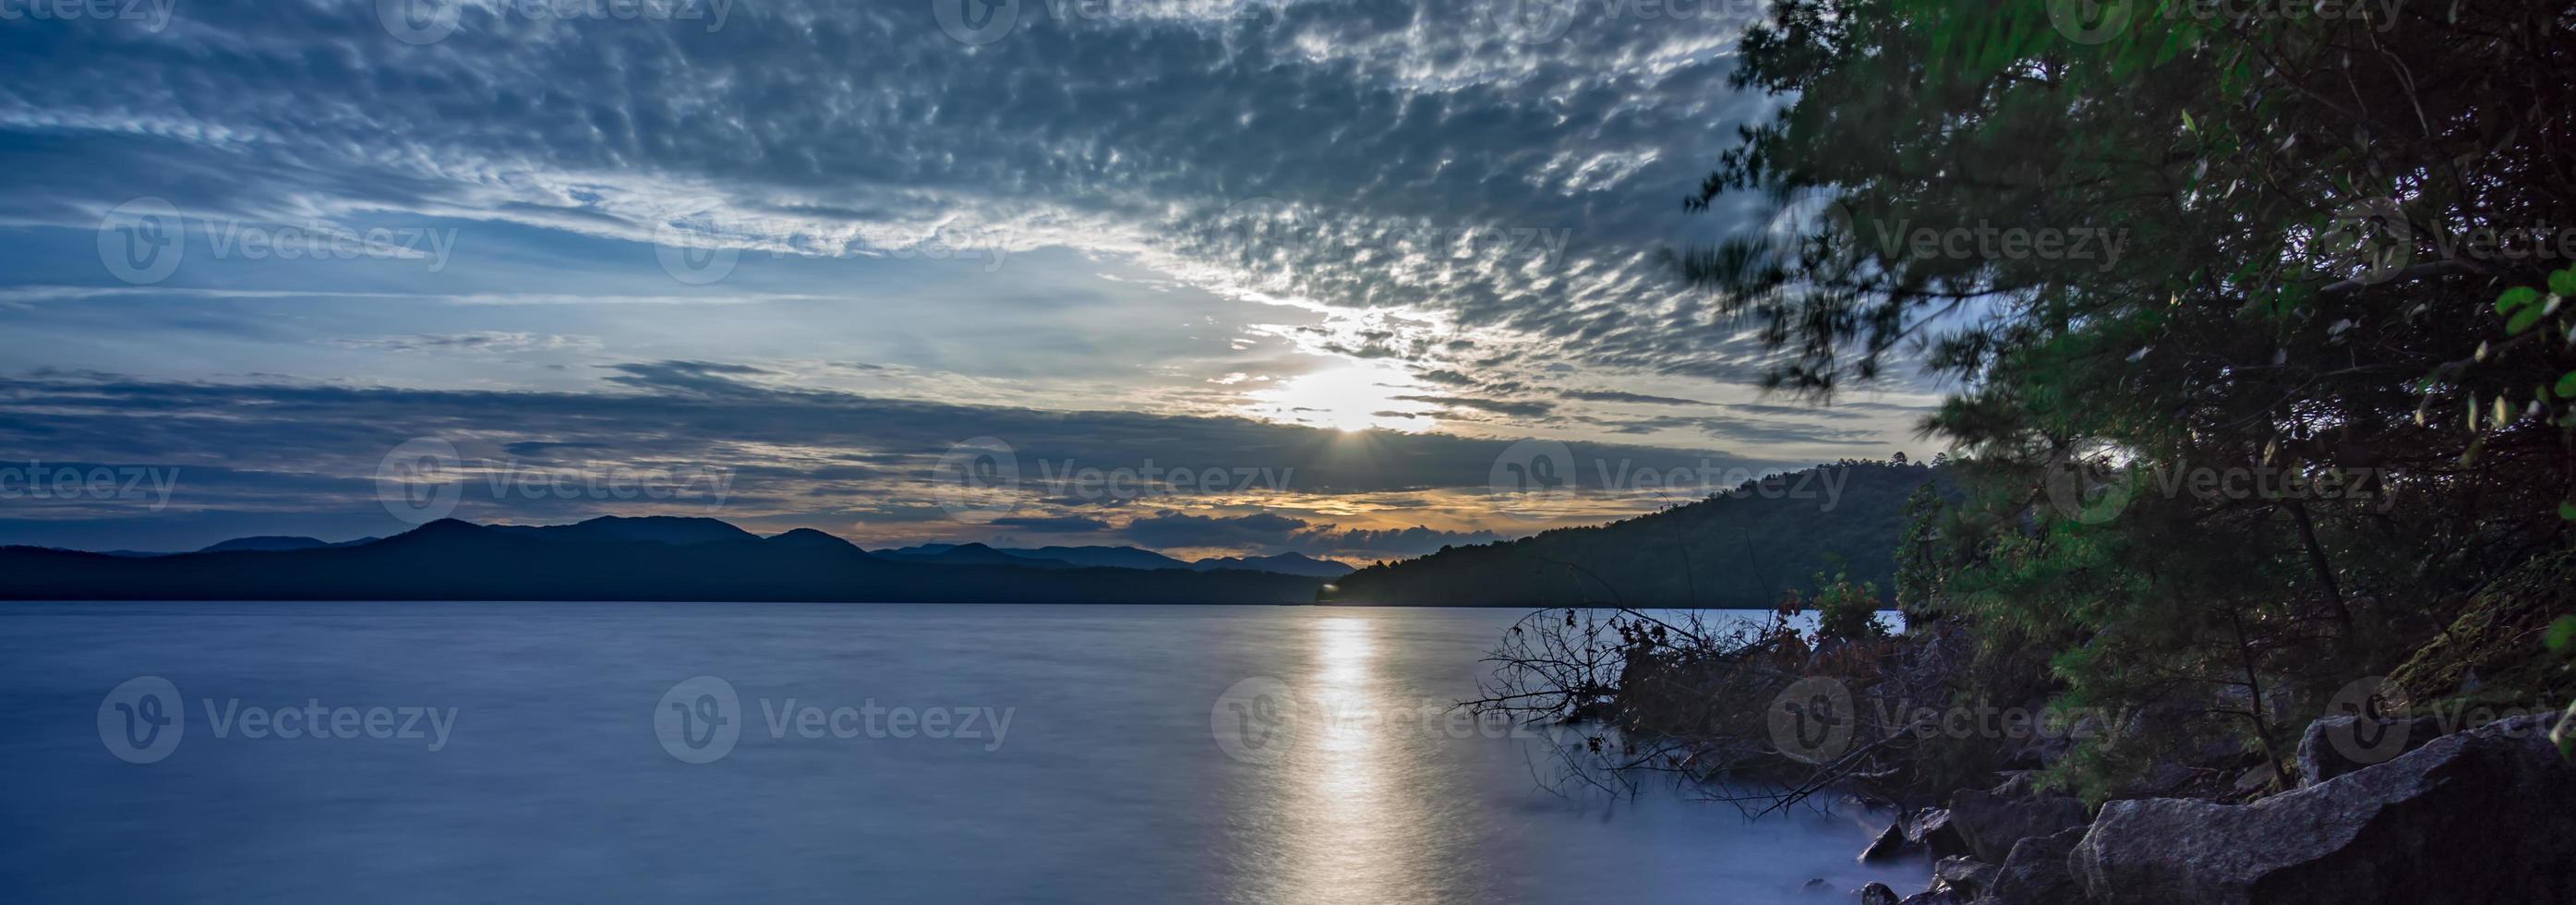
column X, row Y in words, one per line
column 2563, row 282
column 2566, row 388
column 2567, row 511
column 2561, row 632
column 2523, row 319
column 2516, row 297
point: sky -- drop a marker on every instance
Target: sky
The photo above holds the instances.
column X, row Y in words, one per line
column 1355, row 279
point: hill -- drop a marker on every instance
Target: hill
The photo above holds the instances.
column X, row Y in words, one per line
column 1739, row 549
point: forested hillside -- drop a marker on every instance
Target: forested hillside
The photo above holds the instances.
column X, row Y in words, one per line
column 1741, row 548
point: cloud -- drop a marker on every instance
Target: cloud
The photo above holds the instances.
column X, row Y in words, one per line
column 481, row 342
column 1619, row 396
column 1434, row 190
column 1179, row 529
column 1052, row 525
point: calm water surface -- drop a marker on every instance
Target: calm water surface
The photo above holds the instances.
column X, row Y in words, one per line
column 1126, row 770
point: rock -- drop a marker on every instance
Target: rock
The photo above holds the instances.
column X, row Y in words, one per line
column 1931, row 829
column 2496, row 641
column 2338, row 745
column 1937, row 896
column 1966, row 876
column 2254, row 780
column 2477, row 817
column 2036, row 873
column 1877, row 894
column 1817, row 886
column 1990, row 824
column 1889, row 845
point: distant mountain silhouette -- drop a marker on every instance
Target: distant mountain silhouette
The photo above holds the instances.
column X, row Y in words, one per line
column 1290, row 563
column 1731, row 551
column 613, row 559
column 1111, row 557
column 660, row 529
column 277, row 542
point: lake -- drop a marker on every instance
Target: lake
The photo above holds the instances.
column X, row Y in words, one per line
column 813, row 752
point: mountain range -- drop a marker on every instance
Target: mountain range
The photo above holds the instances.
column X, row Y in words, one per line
column 613, row 558
column 1291, row 563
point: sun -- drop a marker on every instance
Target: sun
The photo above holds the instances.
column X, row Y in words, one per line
column 1356, row 396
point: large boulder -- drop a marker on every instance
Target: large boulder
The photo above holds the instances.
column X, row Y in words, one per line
column 1991, row 824
column 2471, row 818
column 1931, row 829
column 1877, row 894
column 2338, row 745
column 2036, row 873
column 1889, row 846
column 1955, row 881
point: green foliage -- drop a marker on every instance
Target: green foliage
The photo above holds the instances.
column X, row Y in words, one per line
column 1846, row 610
column 2302, row 282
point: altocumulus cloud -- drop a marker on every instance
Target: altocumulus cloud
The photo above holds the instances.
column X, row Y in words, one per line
column 1507, row 191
